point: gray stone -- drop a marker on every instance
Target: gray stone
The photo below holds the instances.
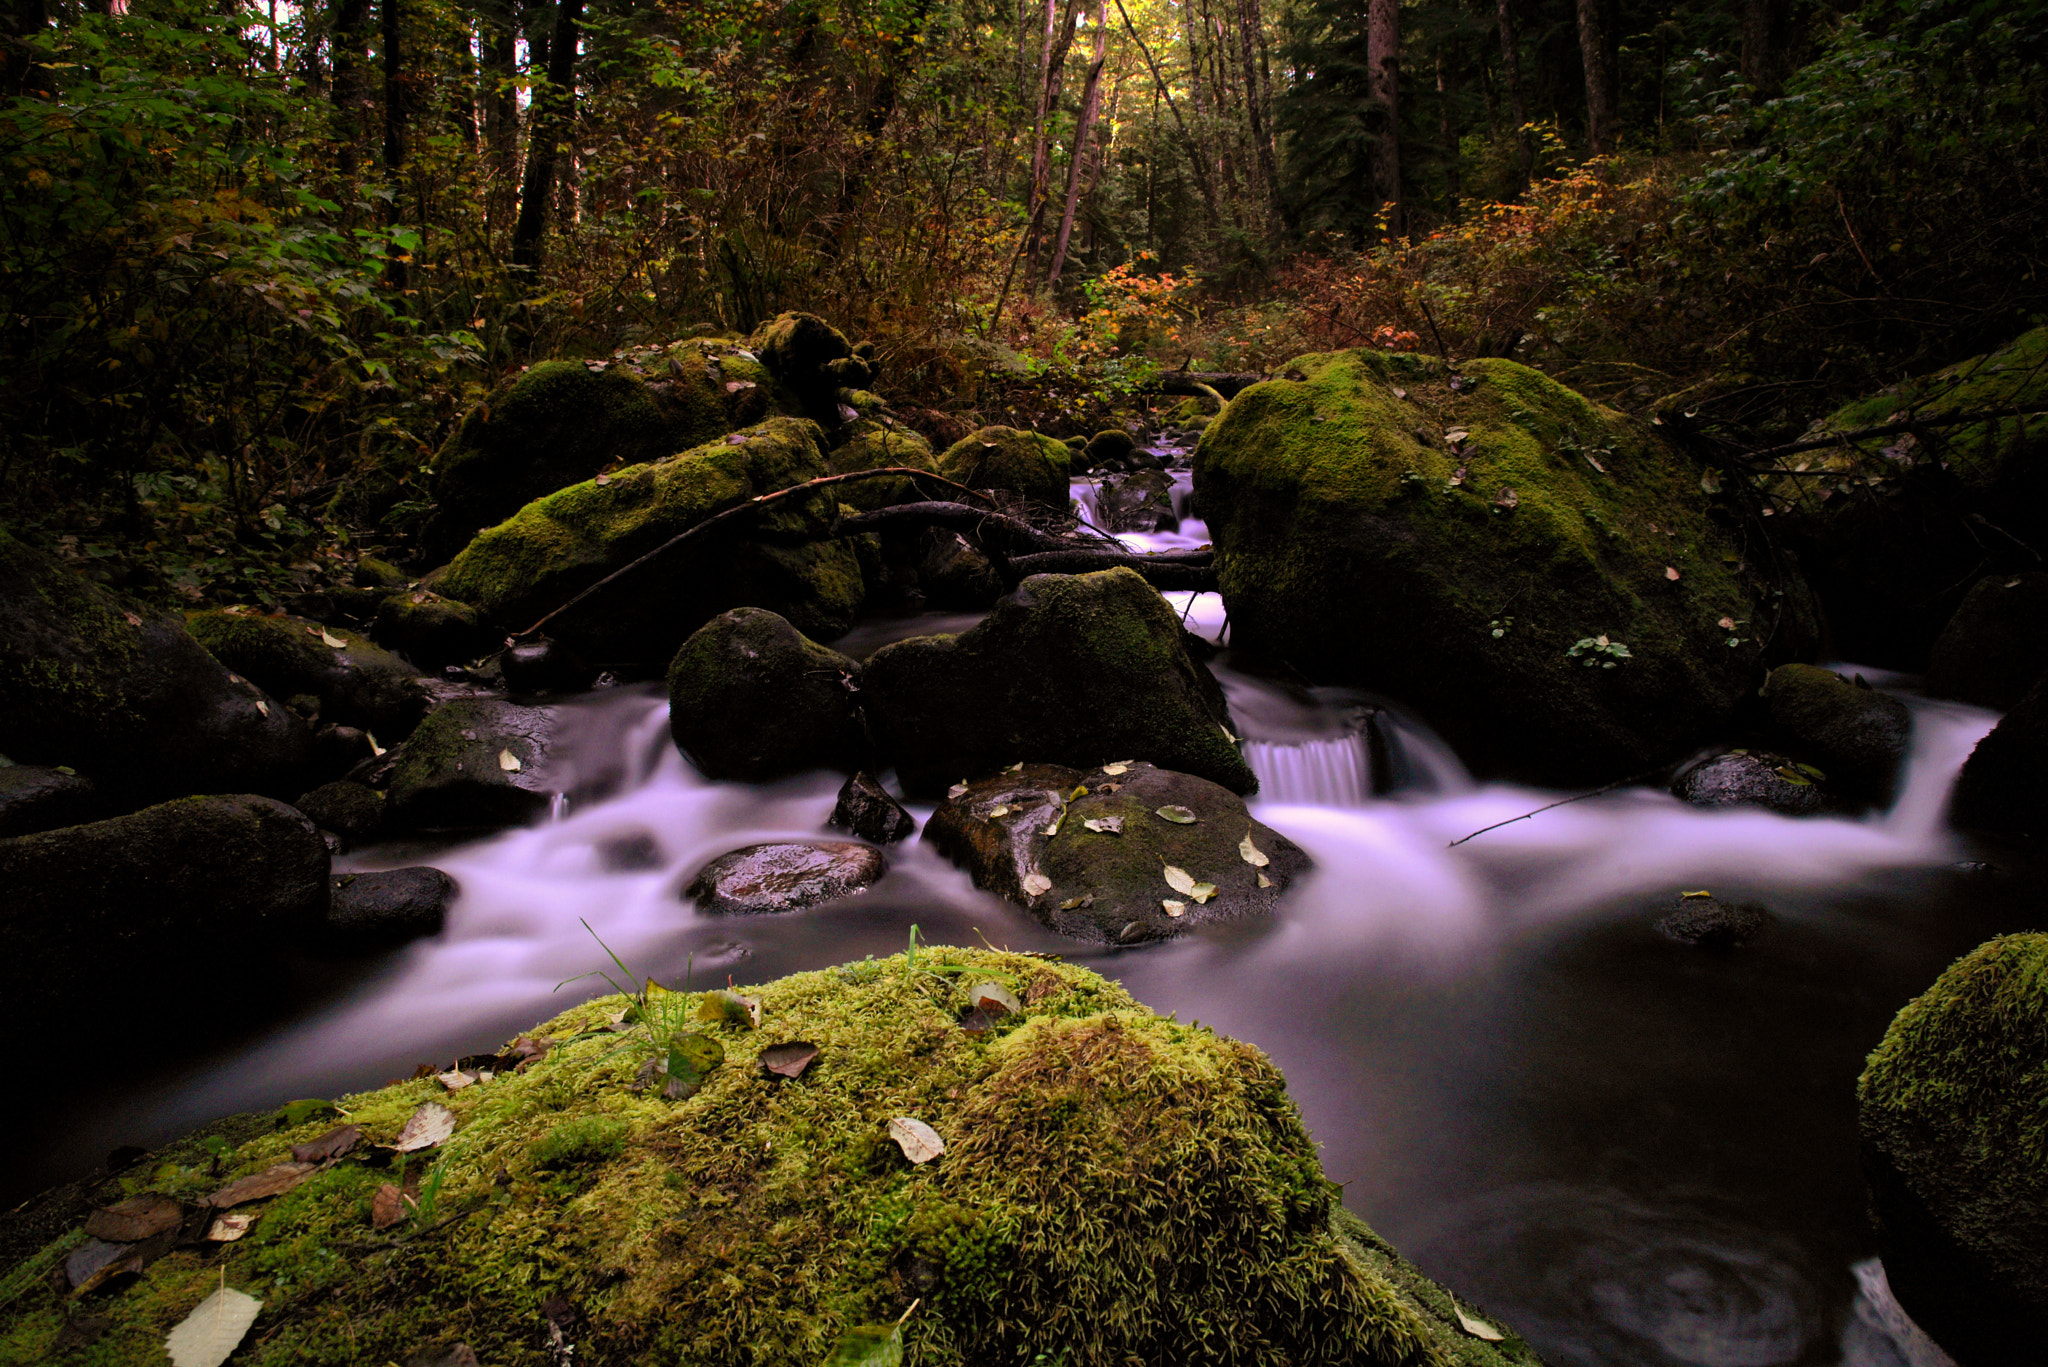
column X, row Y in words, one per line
column 765, row 879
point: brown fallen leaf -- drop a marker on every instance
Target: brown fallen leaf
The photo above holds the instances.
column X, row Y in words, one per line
column 1671, row 571
column 387, row 1207
column 225, row 1229
column 99, row 1270
column 995, row 999
column 425, row 1127
column 790, row 1059
column 135, row 1219
column 920, row 1142
column 272, row 1181
column 333, row 1144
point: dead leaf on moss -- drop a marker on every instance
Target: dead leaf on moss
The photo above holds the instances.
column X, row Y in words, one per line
column 1671, row 571
column 387, row 1207
column 994, row 997
column 920, row 1142
column 1178, row 815
column 692, row 1059
column 789, row 1060
column 135, row 1219
column 1105, row 825
column 730, row 1008
column 214, row 1329
column 225, row 1229
column 328, row 638
column 333, row 1144
column 1476, row 1327
column 275, row 1180
column 425, row 1127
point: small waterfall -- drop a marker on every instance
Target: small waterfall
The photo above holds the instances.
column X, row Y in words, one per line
column 1324, row 773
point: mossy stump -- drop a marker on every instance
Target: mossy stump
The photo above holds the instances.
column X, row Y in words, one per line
column 1114, row 1187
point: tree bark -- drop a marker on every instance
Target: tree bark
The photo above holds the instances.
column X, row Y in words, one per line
column 1077, row 152
column 554, row 109
column 1383, row 88
column 1251, row 40
column 1602, row 123
column 389, row 17
column 350, row 41
column 1511, row 76
column 1763, row 45
column 501, row 102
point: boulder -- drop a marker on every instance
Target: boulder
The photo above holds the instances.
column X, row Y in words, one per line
column 865, row 809
column 1710, row 923
column 35, row 797
column 431, row 631
column 1848, row 729
column 1996, row 645
column 780, row 558
column 540, row 665
column 1105, row 446
column 1012, row 461
column 954, row 575
column 1538, row 575
column 358, row 682
column 120, row 691
column 763, row 880
column 1953, row 1108
column 2003, row 787
column 475, row 764
column 353, row 811
column 144, row 907
column 877, row 444
column 753, row 698
column 1140, row 502
column 1892, row 529
column 1070, row 669
column 1115, row 1187
column 1119, row 832
column 563, row 422
column 1754, row 778
column 814, row 364
column 373, row 573
column 375, row 910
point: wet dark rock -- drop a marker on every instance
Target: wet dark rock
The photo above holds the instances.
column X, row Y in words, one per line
column 1710, row 923
column 431, row 631
column 637, row 853
column 955, row 575
column 1108, row 885
column 1953, row 1109
column 475, row 764
column 751, row 697
column 358, row 683
column 367, row 910
column 1140, row 502
column 34, row 797
column 2001, row 789
column 544, row 666
column 865, row 809
column 122, row 692
column 338, row 749
column 1753, row 778
column 1072, row 669
column 351, row 810
column 138, row 908
column 1848, row 729
column 765, row 879
column 1996, row 645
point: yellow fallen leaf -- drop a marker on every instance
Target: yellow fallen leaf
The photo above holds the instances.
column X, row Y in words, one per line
column 1174, row 908
column 958, row 790
column 375, row 749
column 1251, row 853
column 1204, row 891
column 1036, row 885
column 328, row 638
column 508, row 761
column 1015, row 768
column 1264, row 881
column 1703, row 892
column 1120, row 767
column 1476, row 1327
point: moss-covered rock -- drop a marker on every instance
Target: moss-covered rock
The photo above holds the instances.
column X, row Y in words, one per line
column 1115, row 1187
column 1079, row 670
column 877, row 444
column 1894, row 528
column 751, row 697
column 779, row 559
column 1101, row 841
column 563, row 422
column 358, row 682
column 1996, row 645
column 138, row 907
column 818, row 371
column 1013, row 461
column 353, row 811
column 1107, row 445
column 96, row 682
column 477, row 763
column 1953, row 1108
column 1855, row 734
column 430, row 630
column 1485, row 553
column 2003, row 787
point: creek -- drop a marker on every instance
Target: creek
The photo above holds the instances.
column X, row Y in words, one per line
column 1638, row 1153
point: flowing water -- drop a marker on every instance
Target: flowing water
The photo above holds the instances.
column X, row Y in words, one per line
column 1639, row 1154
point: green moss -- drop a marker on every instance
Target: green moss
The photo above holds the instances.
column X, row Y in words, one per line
column 1018, row 462
column 873, row 444
column 1365, row 541
column 1116, row 1187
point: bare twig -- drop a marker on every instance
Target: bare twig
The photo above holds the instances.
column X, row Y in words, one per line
column 1888, row 429
column 1563, row 801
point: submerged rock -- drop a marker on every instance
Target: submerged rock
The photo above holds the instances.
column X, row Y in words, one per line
column 1710, row 923
column 865, row 809
column 37, row 798
column 1536, row 574
column 780, row 559
column 475, row 764
column 143, row 907
column 789, row 876
column 1114, row 1187
column 1093, row 854
column 1852, row 731
column 373, row 910
column 1070, row 669
column 1140, row 502
column 753, row 698
column 1754, row 778
column 1953, row 1109
column 1996, row 646
column 1013, row 461
column 122, row 692
column 358, row 682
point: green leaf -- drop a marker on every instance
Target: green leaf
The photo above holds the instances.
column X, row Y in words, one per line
column 692, row 1058
column 730, row 1008
column 868, row 1345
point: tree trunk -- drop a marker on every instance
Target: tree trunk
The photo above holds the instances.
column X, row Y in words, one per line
column 1763, row 46
column 1251, row 41
column 1602, row 123
column 1511, row 76
column 1193, row 147
column 1077, row 152
column 554, row 110
column 1052, row 61
column 389, row 17
column 351, row 41
column 1383, row 88
column 501, row 103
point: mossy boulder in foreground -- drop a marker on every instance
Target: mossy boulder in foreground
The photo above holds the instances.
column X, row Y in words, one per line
column 1115, row 1187
column 1080, row 669
column 1454, row 547
column 1954, row 1114
column 528, row 566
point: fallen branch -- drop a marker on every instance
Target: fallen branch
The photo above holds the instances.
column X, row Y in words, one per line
column 1160, row 571
column 954, row 517
column 1561, row 802
column 751, row 505
column 1887, row 429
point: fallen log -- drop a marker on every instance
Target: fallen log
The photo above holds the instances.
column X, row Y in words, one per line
column 1191, row 382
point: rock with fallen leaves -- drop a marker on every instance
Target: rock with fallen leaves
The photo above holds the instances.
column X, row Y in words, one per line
column 753, row 698
column 357, row 682
column 1755, row 778
column 1113, row 1187
column 1070, row 669
column 451, row 774
column 122, row 693
column 1143, row 854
